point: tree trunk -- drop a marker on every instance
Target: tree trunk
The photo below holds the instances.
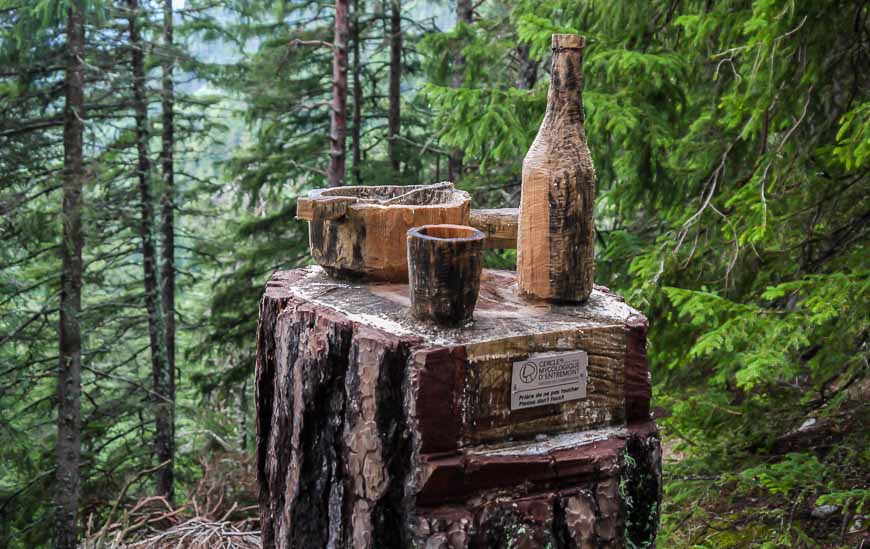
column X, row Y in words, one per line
column 463, row 15
column 243, row 417
column 70, row 341
column 167, row 227
column 376, row 430
column 163, row 443
column 394, row 116
column 338, row 127
column 528, row 70
column 357, row 96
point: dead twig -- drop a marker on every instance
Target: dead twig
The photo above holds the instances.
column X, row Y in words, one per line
column 296, row 42
column 127, row 485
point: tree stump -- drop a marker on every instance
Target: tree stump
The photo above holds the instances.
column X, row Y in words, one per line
column 376, row 430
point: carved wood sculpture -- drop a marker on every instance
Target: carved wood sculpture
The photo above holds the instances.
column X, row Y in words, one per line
column 555, row 258
column 359, row 232
column 444, row 265
column 375, row 430
column 499, row 225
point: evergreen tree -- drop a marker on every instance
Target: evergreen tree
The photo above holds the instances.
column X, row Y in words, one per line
column 115, row 415
column 394, row 117
column 163, row 404
column 167, row 223
column 356, row 124
column 338, row 116
column 464, row 15
column 70, row 368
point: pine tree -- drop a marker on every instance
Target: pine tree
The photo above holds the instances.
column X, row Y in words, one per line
column 70, row 367
column 394, row 118
column 167, row 212
column 163, row 402
column 356, row 128
column 338, row 125
column 115, row 415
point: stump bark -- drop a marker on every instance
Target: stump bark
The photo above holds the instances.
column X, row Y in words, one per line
column 376, row 430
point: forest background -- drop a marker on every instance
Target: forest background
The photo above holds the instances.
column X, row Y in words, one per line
column 150, row 157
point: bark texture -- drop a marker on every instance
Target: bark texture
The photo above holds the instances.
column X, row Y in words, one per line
column 328, row 432
column 69, row 383
column 555, row 258
column 394, row 115
column 373, row 428
column 444, row 265
column 338, row 120
column 163, row 405
column 356, row 130
column 527, row 71
column 499, row 225
column 167, row 216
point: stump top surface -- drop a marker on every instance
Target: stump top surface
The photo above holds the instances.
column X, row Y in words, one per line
column 500, row 312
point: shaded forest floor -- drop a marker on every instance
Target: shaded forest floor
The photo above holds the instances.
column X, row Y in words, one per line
column 220, row 512
column 778, row 500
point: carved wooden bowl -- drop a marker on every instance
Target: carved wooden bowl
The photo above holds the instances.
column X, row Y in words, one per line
column 359, row 232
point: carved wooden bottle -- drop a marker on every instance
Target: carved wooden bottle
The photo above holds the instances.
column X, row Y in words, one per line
column 555, row 257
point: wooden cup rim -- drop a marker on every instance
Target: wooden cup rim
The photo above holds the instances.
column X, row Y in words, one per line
column 472, row 233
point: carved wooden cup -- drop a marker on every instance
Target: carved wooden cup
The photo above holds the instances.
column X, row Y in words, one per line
column 444, row 265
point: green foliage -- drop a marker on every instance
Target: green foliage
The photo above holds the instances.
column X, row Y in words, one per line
column 731, row 141
column 856, row 499
column 853, row 138
column 759, row 342
column 795, row 474
column 503, row 125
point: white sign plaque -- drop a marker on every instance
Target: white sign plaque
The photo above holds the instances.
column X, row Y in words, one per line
column 549, row 379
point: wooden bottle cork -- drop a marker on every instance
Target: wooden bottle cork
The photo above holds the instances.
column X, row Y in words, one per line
column 568, row 41
column 444, row 266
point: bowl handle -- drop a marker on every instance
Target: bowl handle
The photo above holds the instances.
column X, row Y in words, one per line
column 323, row 209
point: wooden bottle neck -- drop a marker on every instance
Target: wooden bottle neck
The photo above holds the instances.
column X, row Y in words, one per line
column 565, row 98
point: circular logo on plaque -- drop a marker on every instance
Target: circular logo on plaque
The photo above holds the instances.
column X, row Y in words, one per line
column 528, row 372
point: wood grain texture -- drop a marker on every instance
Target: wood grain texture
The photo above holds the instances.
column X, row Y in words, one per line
column 444, row 266
column 486, row 392
column 359, row 232
column 377, row 430
column 500, row 226
column 352, row 230
column 555, row 243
